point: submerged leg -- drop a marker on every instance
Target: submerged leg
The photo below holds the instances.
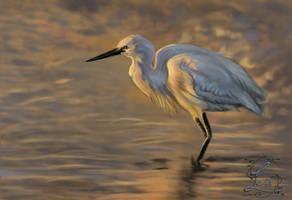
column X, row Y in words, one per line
column 205, row 126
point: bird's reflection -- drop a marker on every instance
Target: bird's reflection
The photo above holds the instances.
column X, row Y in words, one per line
column 187, row 180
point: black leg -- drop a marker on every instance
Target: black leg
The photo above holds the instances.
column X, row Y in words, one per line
column 208, row 134
column 201, row 126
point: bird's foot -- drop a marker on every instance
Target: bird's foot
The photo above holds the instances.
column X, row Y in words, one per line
column 197, row 165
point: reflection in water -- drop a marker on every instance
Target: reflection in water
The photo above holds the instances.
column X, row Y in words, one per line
column 73, row 131
column 187, row 178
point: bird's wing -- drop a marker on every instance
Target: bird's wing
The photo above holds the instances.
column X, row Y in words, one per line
column 217, row 83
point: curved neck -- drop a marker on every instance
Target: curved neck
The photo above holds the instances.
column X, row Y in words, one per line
column 140, row 70
column 144, row 60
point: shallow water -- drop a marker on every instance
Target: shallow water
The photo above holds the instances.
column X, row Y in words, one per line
column 74, row 130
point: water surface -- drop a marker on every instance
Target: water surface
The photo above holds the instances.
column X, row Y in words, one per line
column 74, row 130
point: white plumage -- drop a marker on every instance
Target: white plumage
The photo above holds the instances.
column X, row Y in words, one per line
column 192, row 78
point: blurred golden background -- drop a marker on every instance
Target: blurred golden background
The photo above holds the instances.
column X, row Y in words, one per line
column 73, row 130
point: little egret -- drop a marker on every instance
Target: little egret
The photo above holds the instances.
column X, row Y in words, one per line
column 192, row 78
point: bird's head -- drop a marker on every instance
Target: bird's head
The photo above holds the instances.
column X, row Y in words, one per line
column 130, row 46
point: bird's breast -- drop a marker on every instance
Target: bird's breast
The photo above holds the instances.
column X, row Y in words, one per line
column 136, row 75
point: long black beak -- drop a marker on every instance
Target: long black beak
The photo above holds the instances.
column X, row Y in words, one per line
column 113, row 52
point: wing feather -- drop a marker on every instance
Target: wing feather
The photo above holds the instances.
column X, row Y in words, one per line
column 219, row 84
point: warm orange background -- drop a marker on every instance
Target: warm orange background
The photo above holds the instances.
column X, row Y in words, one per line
column 76, row 130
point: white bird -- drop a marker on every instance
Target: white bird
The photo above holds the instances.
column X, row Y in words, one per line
column 192, row 78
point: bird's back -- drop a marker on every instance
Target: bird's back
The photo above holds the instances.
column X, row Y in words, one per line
column 169, row 51
column 219, row 83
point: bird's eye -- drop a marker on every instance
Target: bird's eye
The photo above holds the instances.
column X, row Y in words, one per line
column 124, row 48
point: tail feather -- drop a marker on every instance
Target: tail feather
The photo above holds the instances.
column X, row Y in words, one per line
column 255, row 105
